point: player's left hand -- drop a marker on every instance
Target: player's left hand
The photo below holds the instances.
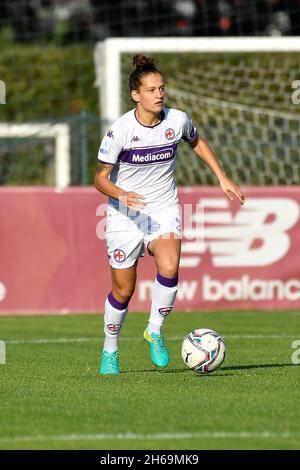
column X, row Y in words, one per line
column 230, row 189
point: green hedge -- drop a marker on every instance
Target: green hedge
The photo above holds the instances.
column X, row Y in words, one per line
column 47, row 82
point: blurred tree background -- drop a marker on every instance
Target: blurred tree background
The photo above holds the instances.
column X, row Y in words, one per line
column 46, row 62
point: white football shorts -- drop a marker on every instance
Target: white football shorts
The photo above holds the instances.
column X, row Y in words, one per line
column 127, row 235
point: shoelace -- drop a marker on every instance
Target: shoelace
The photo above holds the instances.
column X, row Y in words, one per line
column 112, row 362
column 159, row 343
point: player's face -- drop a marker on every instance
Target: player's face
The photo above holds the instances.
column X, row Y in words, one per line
column 151, row 93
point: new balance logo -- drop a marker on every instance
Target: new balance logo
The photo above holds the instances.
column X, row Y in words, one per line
column 2, row 291
column 257, row 235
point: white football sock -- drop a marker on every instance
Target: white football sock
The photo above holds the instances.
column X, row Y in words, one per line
column 164, row 292
column 114, row 316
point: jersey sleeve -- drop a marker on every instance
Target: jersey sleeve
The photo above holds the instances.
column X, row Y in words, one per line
column 189, row 131
column 111, row 145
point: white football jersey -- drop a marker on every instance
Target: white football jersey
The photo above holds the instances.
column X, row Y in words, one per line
column 144, row 156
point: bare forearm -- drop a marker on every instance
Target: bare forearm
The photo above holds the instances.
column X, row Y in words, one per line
column 103, row 184
column 208, row 156
column 109, row 189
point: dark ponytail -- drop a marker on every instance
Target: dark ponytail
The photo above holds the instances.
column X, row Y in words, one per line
column 143, row 66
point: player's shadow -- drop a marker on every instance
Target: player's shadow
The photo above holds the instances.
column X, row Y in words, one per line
column 256, row 366
column 215, row 374
column 158, row 370
column 144, row 222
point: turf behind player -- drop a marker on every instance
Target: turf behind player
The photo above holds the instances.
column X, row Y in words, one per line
column 136, row 166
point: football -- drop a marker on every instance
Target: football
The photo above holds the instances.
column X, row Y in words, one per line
column 203, row 350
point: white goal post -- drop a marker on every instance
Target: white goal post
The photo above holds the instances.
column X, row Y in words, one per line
column 107, row 57
column 62, row 137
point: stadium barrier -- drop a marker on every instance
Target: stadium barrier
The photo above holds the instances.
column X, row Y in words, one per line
column 54, row 260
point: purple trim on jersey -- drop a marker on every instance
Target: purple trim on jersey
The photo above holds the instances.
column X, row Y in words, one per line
column 194, row 136
column 115, row 303
column 145, row 147
column 149, row 155
column 167, row 281
column 107, row 163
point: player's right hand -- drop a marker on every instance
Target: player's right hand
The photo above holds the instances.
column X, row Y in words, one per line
column 133, row 200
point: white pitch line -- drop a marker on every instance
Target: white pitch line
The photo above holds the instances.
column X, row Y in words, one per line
column 174, row 338
column 50, row 341
column 159, row 436
column 296, row 335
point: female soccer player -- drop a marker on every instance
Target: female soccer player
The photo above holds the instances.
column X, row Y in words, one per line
column 136, row 165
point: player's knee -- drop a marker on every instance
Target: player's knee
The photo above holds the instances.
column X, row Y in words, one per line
column 123, row 294
column 168, row 269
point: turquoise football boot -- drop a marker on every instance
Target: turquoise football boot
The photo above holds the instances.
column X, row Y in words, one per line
column 109, row 363
column 158, row 351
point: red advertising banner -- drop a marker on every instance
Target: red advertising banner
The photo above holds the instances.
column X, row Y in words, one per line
column 53, row 256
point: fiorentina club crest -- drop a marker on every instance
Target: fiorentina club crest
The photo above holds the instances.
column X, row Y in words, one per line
column 169, row 133
column 114, row 328
column 165, row 311
column 119, row 256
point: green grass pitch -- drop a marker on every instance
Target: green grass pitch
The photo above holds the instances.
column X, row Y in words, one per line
column 53, row 398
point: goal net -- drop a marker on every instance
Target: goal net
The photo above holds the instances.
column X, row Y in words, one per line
column 238, row 91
